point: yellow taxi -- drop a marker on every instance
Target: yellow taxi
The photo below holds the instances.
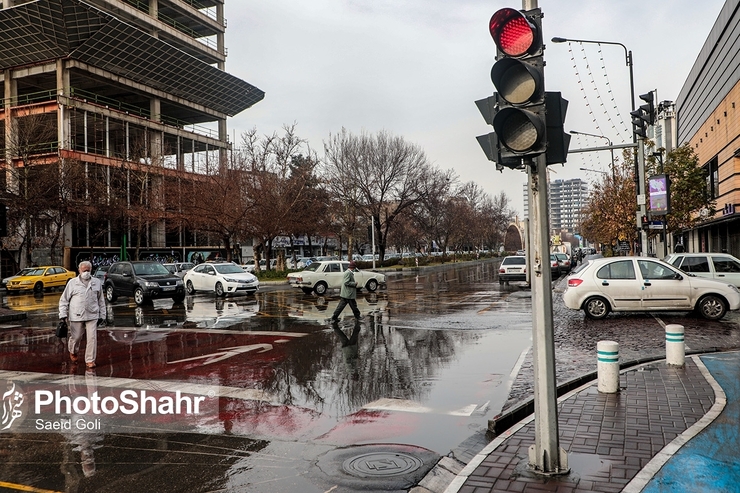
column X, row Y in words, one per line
column 40, row 278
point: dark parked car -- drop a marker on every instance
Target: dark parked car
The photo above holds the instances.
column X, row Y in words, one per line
column 144, row 281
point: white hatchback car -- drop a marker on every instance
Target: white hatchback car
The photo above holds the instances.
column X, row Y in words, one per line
column 630, row 284
column 220, row 278
column 322, row 276
column 719, row 266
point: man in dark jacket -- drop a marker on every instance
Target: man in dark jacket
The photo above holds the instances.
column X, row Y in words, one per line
column 348, row 294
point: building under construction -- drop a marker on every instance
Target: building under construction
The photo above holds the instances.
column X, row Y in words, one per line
column 106, row 82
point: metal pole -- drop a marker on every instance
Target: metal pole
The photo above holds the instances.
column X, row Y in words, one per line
column 372, row 228
column 545, row 455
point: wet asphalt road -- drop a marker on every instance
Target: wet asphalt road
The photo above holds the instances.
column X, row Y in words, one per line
column 291, row 403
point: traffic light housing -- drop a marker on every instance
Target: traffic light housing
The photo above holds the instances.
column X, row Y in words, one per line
column 489, row 142
column 519, row 120
column 639, row 123
column 558, row 140
column 649, row 107
column 644, row 116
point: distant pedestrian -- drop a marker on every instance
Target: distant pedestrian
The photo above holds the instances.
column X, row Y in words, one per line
column 348, row 294
column 82, row 306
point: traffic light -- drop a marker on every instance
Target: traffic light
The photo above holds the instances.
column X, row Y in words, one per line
column 649, row 108
column 558, row 140
column 489, row 142
column 639, row 123
column 644, row 116
column 519, row 117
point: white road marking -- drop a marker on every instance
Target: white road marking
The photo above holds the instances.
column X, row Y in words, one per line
column 406, row 406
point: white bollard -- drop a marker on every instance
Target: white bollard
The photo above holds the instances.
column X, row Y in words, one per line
column 675, row 345
column 607, row 353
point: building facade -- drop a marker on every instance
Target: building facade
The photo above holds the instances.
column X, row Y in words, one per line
column 106, row 82
column 566, row 199
column 708, row 118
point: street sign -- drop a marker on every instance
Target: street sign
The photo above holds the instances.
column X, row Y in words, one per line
column 655, row 225
column 624, row 246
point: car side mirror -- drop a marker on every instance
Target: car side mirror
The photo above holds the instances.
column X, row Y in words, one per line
column 678, row 277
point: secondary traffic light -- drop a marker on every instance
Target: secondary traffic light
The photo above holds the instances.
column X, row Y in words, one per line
column 519, row 117
column 639, row 123
column 489, row 142
column 649, row 108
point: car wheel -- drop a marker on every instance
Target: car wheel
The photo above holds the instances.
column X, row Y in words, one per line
column 38, row 287
column 190, row 288
column 178, row 298
column 219, row 289
column 320, row 288
column 371, row 285
column 307, row 290
column 139, row 297
column 596, row 308
column 110, row 294
column 712, row 307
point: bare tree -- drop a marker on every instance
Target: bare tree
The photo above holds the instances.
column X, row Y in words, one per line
column 384, row 169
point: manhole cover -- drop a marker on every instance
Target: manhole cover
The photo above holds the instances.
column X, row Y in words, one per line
column 381, row 464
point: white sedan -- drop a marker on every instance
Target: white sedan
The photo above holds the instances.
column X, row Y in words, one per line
column 630, row 284
column 321, row 276
column 220, row 278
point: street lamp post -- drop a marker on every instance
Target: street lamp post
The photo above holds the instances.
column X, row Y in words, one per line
column 639, row 158
column 608, row 142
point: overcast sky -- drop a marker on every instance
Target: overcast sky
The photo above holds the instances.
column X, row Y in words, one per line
column 415, row 68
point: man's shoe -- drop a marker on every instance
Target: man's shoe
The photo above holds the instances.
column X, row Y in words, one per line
column 90, row 365
column 360, row 318
column 73, row 357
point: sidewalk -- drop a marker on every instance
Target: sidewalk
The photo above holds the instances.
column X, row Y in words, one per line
column 659, row 433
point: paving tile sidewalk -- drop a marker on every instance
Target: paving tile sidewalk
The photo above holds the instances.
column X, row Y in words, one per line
column 609, row 438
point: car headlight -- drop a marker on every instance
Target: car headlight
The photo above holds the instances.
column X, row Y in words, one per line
column 179, row 282
column 151, row 284
column 229, row 279
column 734, row 288
column 27, row 282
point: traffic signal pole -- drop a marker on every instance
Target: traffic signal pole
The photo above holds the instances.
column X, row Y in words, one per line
column 545, row 455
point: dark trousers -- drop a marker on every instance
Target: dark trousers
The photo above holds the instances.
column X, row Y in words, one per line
column 344, row 302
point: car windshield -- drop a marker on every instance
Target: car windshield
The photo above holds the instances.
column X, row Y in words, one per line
column 561, row 256
column 150, row 269
column 35, row 272
column 313, row 267
column 228, row 269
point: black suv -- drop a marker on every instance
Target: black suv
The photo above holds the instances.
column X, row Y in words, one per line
column 142, row 280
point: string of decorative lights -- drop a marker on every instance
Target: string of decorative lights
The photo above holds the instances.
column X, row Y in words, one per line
column 611, row 94
column 583, row 89
column 596, row 90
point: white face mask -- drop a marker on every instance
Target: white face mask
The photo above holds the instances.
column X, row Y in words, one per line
column 85, row 276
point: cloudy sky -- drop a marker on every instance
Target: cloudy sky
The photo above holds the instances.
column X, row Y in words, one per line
column 415, row 68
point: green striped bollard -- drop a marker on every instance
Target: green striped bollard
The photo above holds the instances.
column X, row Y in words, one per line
column 675, row 345
column 607, row 353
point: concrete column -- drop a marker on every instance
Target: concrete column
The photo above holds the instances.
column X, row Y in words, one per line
column 157, row 229
column 154, row 12
column 223, row 152
column 607, row 366
column 64, row 126
column 220, row 44
column 157, row 137
column 10, row 93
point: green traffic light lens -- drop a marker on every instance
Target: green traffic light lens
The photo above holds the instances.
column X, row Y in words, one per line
column 518, row 133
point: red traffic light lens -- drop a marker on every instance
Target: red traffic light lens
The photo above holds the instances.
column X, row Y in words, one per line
column 512, row 32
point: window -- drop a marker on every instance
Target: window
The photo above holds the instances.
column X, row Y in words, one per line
column 622, row 269
column 726, row 264
column 695, row 264
column 713, row 178
column 514, row 261
column 333, row 267
column 677, row 261
column 655, row 271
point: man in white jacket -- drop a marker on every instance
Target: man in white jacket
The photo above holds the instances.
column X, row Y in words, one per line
column 82, row 306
